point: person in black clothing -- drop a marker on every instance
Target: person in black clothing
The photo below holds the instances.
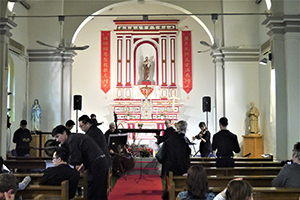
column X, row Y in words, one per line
column 177, row 151
column 204, row 136
column 85, row 153
column 70, row 124
column 169, row 130
column 22, row 138
column 61, row 171
column 225, row 142
column 94, row 120
column 112, row 130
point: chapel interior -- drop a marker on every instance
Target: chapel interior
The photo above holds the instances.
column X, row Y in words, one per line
column 108, row 74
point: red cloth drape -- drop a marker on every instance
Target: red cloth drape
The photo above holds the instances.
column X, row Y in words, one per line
column 105, row 61
column 187, row 61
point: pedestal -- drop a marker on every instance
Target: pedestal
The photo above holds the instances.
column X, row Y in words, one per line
column 35, row 142
column 253, row 145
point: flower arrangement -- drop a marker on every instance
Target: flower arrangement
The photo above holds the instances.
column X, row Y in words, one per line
column 140, row 125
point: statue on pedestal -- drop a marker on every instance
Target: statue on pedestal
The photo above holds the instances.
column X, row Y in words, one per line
column 36, row 116
column 146, row 68
column 253, row 119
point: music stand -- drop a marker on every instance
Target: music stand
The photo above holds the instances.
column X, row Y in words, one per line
column 141, row 171
column 118, row 139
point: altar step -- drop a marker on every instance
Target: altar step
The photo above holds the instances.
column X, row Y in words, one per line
column 148, row 166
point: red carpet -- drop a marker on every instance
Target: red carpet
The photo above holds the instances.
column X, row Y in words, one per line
column 143, row 190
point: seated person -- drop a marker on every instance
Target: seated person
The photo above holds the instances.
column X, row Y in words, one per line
column 237, row 189
column 289, row 175
column 61, row 171
column 8, row 186
column 70, row 124
column 4, row 169
column 197, row 185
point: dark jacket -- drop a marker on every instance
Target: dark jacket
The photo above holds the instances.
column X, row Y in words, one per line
column 178, row 154
column 56, row 175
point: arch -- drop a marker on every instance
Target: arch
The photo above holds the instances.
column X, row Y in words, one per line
column 135, row 58
column 110, row 7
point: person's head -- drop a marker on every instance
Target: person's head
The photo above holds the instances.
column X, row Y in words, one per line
column 93, row 116
column 197, row 182
column 168, row 123
column 112, row 127
column 61, row 133
column 85, row 123
column 70, row 124
column 223, row 122
column 60, row 156
column 23, row 124
column 36, row 102
column 182, row 126
column 8, row 184
column 252, row 104
column 239, row 190
column 202, row 126
column 296, row 153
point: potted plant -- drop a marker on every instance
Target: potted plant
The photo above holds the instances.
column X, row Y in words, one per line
column 140, row 125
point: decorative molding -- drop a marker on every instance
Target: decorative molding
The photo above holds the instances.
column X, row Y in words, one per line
column 5, row 26
column 283, row 24
column 50, row 55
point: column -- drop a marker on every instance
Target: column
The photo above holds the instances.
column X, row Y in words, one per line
column 219, row 86
column 285, row 33
column 5, row 26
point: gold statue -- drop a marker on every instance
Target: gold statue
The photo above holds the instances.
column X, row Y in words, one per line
column 253, row 119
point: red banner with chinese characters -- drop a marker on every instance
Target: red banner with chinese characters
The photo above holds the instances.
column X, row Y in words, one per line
column 187, row 61
column 105, row 61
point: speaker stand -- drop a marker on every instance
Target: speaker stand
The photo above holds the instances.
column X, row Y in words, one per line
column 76, row 121
column 206, row 118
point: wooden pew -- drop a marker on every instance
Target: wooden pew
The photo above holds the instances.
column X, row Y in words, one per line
column 36, row 178
column 231, row 171
column 9, row 157
column 260, row 193
column 49, row 192
column 235, row 159
column 13, row 164
column 240, row 163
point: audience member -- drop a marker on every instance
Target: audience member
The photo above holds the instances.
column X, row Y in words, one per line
column 8, row 186
column 237, row 189
column 61, row 172
column 204, row 136
column 70, row 124
column 22, row 138
column 85, row 153
column 289, row 175
column 197, row 185
column 94, row 120
column 225, row 142
column 177, row 151
column 4, row 169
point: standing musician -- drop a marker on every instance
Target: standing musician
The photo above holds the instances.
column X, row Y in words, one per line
column 204, row 136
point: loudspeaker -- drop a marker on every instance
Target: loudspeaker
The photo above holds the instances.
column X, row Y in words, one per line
column 77, row 102
column 206, row 104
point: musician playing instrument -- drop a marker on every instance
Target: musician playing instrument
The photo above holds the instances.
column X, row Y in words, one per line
column 204, row 136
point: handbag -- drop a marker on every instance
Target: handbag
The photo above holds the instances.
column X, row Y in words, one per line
column 161, row 154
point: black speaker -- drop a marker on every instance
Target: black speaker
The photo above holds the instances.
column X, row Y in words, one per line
column 206, row 104
column 77, row 102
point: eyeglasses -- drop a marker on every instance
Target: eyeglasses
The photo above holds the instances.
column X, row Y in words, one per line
column 82, row 125
column 53, row 158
